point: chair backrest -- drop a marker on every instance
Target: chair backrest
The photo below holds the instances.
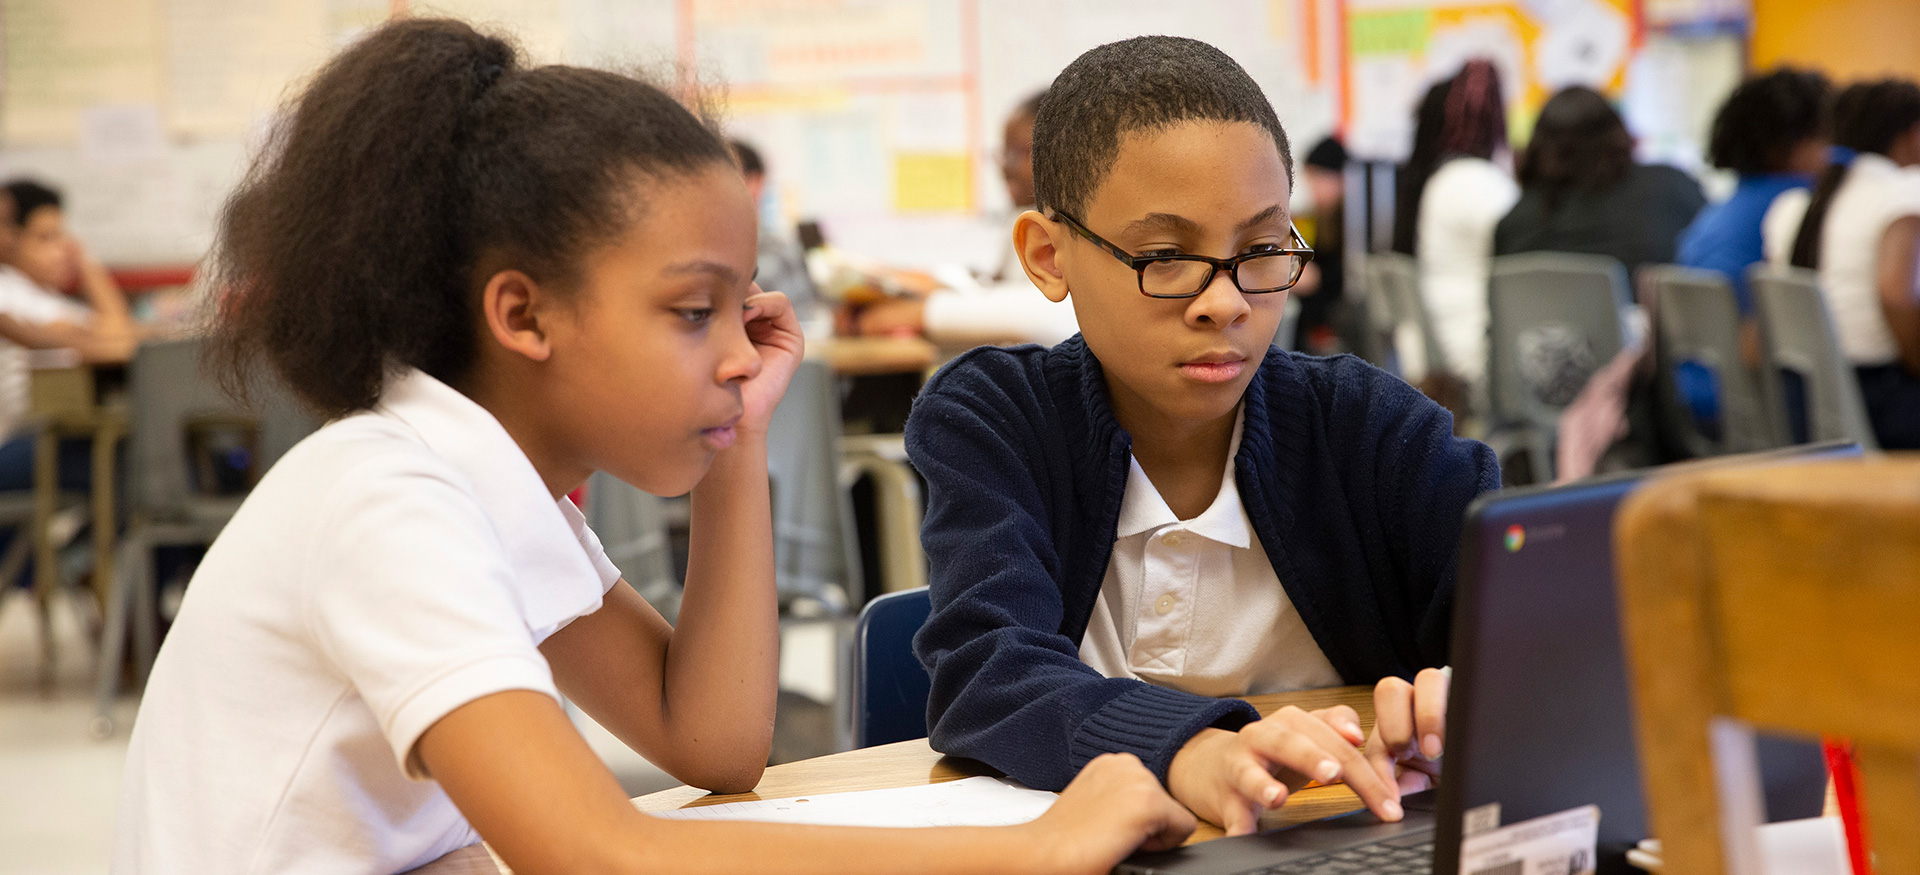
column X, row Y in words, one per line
column 1696, row 324
column 1782, row 599
column 889, row 685
column 1554, row 319
column 1396, row 308
column 1287, row 334
column 1798, row 339
column 632, row 526
column 166, row 390
column 814, row 546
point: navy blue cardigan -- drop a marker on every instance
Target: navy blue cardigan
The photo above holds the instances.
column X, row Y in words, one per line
column 1352, row 479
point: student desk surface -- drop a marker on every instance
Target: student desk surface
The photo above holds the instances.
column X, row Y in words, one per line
column 855, row 356
column 913, row 763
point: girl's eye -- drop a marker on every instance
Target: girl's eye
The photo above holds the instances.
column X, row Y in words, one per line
column 1154, row 253
column 696, row 315
column 1264, row 247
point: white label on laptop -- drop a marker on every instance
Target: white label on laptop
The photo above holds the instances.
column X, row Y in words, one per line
column 1557, row 844
column 1480, row 818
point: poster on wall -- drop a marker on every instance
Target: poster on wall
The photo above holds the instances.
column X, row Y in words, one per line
column 1397, row 49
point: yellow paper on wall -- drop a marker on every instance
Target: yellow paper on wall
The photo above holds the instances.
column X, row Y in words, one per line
column 932, row 181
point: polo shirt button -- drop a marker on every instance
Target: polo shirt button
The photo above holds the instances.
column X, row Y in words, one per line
column 1171, row 539
column 1163, row 604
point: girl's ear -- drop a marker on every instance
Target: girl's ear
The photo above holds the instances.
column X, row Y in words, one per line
column 513, row 305
column 1037, row 240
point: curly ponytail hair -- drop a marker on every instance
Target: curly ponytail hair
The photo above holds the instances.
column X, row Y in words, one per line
column 424, row 152
column 1867, row 117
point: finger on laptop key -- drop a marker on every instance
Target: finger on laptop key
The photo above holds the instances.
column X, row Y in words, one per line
column 1310, row 746
column 1430, row 710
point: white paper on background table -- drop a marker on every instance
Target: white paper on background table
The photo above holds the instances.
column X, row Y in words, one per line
column 966, row 802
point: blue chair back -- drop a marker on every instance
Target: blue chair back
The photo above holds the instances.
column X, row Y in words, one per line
column 889, row 686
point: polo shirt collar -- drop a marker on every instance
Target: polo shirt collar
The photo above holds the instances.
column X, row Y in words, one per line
column 544, row 538
column 1142, row 509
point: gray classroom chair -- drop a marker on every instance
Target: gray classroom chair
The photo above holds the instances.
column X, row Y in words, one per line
column 167, row 392
column 1696, row 321
column 1554, row 319
column 815, row 548
column 1287, row 334
column 1395, row 309
column 633, row 528
column 1797, row 337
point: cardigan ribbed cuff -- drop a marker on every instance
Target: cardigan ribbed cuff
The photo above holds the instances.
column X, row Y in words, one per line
column 1153, row 723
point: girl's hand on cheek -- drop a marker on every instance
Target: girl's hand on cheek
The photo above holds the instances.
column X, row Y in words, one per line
column 775, row 332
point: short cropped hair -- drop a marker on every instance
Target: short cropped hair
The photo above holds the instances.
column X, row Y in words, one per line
column 1139, row 84
column 1763, row 119
column 28, row 196
column 751, row 163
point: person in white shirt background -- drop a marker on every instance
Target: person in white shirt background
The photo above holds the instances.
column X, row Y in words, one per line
column 1004, row 308
column 1860, row 228
column 1453, row 191
column 41, row 259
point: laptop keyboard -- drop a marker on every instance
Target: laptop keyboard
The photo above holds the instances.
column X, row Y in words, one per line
column 1376, row 859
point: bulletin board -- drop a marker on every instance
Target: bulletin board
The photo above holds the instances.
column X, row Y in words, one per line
column 879, row 118
column 1396, row 49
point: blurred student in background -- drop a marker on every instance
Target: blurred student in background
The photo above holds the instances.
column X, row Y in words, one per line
column 1861, row 231
column 782, row 266
column 1454, row 189
column 1322, row 286
column 1580, row 190
column 1772, row 131
column 41, row 261
column 1004, row 308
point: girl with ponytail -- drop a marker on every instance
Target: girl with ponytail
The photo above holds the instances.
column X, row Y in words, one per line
column 1456, row 189
column 493, row 280
column 1861, row 230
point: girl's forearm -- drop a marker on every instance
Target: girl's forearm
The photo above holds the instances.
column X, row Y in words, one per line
column 722, row 666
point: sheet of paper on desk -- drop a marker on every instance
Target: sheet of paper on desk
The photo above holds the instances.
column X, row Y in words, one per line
column 966, row 802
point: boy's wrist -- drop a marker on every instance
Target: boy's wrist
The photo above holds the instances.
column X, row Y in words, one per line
column 1188, row 772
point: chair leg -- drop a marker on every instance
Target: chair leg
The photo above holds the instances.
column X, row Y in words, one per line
column 146, row 615
column 113, row 637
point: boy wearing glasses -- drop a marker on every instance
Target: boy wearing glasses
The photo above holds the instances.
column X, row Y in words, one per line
column 1132, row 527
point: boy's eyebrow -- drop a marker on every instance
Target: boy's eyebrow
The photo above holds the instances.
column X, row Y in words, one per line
column 1161, row 222
column 722, row 272
column 1177, row 224
column 1265, row 215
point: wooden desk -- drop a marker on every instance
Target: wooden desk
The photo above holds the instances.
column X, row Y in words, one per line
column 914, row 764
column 856, row 356
column 62, row 405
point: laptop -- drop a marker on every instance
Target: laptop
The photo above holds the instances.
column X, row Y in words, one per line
column 1539, row 716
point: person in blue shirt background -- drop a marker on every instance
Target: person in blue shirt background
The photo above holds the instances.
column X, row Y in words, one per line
column 1773, row 131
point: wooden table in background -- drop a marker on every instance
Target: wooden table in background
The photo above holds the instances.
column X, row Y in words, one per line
column 858, row 356
column 914, row 764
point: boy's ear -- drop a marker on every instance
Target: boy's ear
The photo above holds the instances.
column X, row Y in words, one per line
column 513, row 305
column 1036, row 239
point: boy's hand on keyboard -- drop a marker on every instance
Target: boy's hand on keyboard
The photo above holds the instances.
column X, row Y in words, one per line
column 1231, row 778
column 1114, row 806
column 1409, row 729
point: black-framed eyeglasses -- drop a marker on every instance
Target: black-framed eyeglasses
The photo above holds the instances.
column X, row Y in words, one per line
column 1186, row 276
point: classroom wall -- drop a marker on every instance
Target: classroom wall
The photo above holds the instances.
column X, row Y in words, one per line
column 881, row 118
column 1849, row 39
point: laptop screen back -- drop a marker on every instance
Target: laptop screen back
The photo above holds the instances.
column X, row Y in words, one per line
column 1540, row 713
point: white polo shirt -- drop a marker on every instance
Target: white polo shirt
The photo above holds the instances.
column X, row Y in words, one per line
column 394, row 566
column 24, row 299
column 1875, row 193
column 1463, row 202
column 1194, row 605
